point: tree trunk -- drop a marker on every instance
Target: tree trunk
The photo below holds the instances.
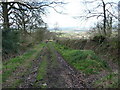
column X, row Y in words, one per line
column 5, row 15
column 104, row 21
column 110, row 26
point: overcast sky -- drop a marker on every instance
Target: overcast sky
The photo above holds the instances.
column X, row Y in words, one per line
column 73, row 8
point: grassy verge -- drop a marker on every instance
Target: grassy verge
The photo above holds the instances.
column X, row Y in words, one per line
column 51, row 49
column 21, row 61
column 41, row 73
column 42, row 69
column 84, row 60
column 109, row 81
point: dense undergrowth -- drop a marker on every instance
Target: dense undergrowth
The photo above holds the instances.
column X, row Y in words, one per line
column 84, row 60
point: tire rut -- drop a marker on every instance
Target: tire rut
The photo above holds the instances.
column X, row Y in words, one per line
column 76, row 78
column 59, row 73
column 30, row 78
column 63, row 75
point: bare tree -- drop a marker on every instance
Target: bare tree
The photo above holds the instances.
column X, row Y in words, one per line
column 9, row 7
column 101, row 11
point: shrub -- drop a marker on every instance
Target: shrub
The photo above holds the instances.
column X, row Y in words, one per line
column 10, row 41
column 99, row 39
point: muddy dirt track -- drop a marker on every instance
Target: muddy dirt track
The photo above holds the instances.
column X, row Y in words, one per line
column 61, row 75
column 58, row 74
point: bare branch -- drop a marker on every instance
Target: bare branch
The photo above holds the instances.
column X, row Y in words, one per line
column 111, row 14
